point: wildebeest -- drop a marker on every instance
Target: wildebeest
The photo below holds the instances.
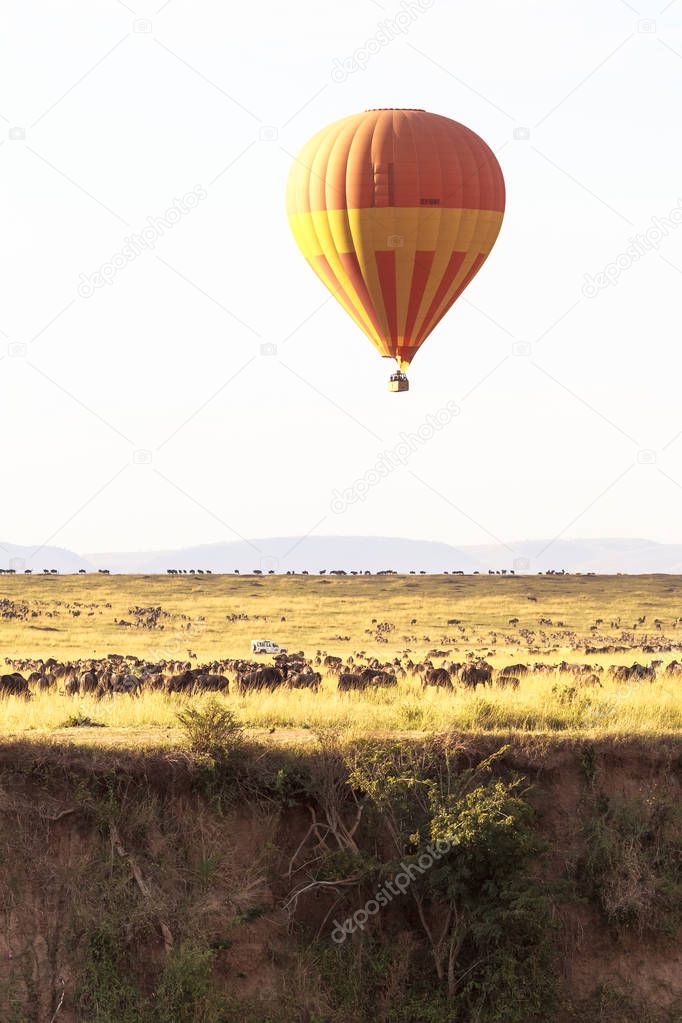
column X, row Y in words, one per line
column 589, row 680
column 88, row 681
column 181, row 683
column 304, row 680
column 514, row 669
column 259, row 678
column 348, row 681
column 378, row 677
column 14, row 685
column 507, row 681
column 472, row 675
column 129, row 684
column 210, row 684
column 383, row 679
column 438, row 677
column 638, row 672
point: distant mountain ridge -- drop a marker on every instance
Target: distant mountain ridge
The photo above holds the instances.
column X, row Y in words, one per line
column 364, row 553
column 20, row 558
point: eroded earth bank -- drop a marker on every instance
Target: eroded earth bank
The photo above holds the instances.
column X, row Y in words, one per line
column 463, row 878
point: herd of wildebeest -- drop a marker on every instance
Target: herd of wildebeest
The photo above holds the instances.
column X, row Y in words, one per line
column 126, row 674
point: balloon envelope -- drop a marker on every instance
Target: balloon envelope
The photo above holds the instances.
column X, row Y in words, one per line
column 396, row 212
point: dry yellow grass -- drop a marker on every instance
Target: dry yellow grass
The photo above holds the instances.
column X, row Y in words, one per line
column 613, row 709
column 312, row 613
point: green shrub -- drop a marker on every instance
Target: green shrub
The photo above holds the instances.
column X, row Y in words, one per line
column 11, row 1002
column 81, row 720
column 184, row 991
column 107, row 990
column 106, row 993
column 485, row 918
column 212, row 731
column 613, row 1005
column 632, row 862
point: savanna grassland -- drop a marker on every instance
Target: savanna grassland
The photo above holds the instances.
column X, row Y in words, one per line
column 595, row 620
column 226, row 865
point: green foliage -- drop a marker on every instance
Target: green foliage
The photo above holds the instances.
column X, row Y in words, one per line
column 106, row 993
column 11, row 1002
column 109, row 993
column 207, row 867
column 80, row 720
column 184, row 993
column 632, row 863
column 492, row 956
column 501, row 913
column 613, row 1005
column 287, row 785
column 103, row 797
column 488, row 827
column 247, row 916
column 589, row 762
column 355, row 977
column 211, row 732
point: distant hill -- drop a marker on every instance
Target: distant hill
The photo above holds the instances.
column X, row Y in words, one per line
column 607, row 556
column 20, row 558
column 293, row 553
column 366, row 553
column 604, row 556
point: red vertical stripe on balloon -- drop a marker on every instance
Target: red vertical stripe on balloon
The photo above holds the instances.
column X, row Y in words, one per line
column 423, row 261
column 349, row 261
column 387, row 281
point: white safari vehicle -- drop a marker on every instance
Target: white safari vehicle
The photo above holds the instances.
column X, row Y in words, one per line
column 266, row 646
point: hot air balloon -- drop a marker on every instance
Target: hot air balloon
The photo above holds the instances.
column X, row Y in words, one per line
column 396, row 211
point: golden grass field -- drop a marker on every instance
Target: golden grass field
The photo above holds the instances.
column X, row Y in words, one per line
column 213, row 617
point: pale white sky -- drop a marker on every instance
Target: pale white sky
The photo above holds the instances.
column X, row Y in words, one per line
column 112, row 111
